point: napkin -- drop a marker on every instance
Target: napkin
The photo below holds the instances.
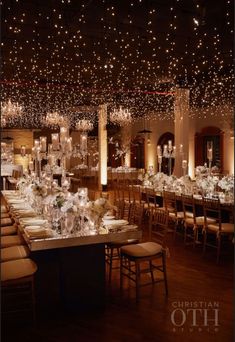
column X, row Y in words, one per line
column 33, row 222
column 38, row 232
column 115, row 222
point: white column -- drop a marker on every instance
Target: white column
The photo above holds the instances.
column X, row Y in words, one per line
column 102, row 144
column 126, row 140
column 181, row 113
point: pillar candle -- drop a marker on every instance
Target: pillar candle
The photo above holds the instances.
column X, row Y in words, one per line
column 55, row 141
column 69, row 146
column 43, row 144
column 159, row 150
column 63, row 134
column 31, row 165
column 170, row 145
column 36, row 143
column 184, row 164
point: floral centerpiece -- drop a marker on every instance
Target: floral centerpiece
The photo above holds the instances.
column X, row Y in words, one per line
column 95, row 211
column 39, row 189
column 227, row 184
column 207, row 184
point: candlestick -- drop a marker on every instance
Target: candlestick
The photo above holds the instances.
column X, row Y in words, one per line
column 181, row 148
column 170, row 145
column 159, row 163
column 210, row 154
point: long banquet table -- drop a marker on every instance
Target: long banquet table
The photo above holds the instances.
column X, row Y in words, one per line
column 71, row 270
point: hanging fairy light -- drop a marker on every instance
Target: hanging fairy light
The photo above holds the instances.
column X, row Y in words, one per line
column 121, row 116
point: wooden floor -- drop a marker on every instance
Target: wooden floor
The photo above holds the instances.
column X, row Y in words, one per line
column 193, row 280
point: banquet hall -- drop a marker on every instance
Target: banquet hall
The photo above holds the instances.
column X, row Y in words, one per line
column 117, row 170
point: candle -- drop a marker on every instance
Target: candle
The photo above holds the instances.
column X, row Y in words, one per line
column 33, row 151
column 209, row 154
column 63, row 134
column 51, row 160
column 31, row 165
column 36, row 143
column 159, row 150
column 38, row 152
column 55, row 141
column 159, row 159
column 23, row 150
column 69, row 146
column 184, row 164
column 83, row 141
column 181, row 148
column 170, row 145
column 43, row 144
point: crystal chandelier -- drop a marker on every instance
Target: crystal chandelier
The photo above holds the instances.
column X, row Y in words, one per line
column 84, row 125
column 9, row 111
column 55, row 120
column 121, row 116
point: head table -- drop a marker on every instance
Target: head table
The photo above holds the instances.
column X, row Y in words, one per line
column 71, row 269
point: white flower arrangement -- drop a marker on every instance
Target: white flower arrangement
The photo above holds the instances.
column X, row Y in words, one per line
column 39, row 189
column 227, row 183
column 98, row 208
column 207, row 183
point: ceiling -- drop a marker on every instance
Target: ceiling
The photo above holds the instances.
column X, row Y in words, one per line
column 59, row 54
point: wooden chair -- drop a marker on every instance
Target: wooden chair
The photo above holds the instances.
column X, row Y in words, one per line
column 219, row 229
column 132, row 256
column 17, row 287
column 112, row 251
column 170, row 206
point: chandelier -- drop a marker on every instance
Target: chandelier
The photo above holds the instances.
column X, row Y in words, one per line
column 121, row 116
column 3, row 121
column 84, row 125
column 9, row 111
column 54, row 120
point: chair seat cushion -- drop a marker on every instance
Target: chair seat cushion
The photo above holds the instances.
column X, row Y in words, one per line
column 5, row 215
column 225, row 227
column 3, row 209
column 16, row 269
column 8, row 230
column 119, row 244
column 199, row 220
column 11, row 240
column 5, row 222
column 14, row 253
column 177, row 215
column 140, row 250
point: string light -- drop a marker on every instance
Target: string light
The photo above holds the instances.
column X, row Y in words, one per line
column 122, row 46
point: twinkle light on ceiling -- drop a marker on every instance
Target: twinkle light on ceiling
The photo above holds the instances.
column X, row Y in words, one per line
column 69, row 53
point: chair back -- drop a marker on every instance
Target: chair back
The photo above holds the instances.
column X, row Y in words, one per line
column 158, row 226
column 151, row 197
column 212, row 209
column 188, row 206
column 136, row 214
column 169, row 200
